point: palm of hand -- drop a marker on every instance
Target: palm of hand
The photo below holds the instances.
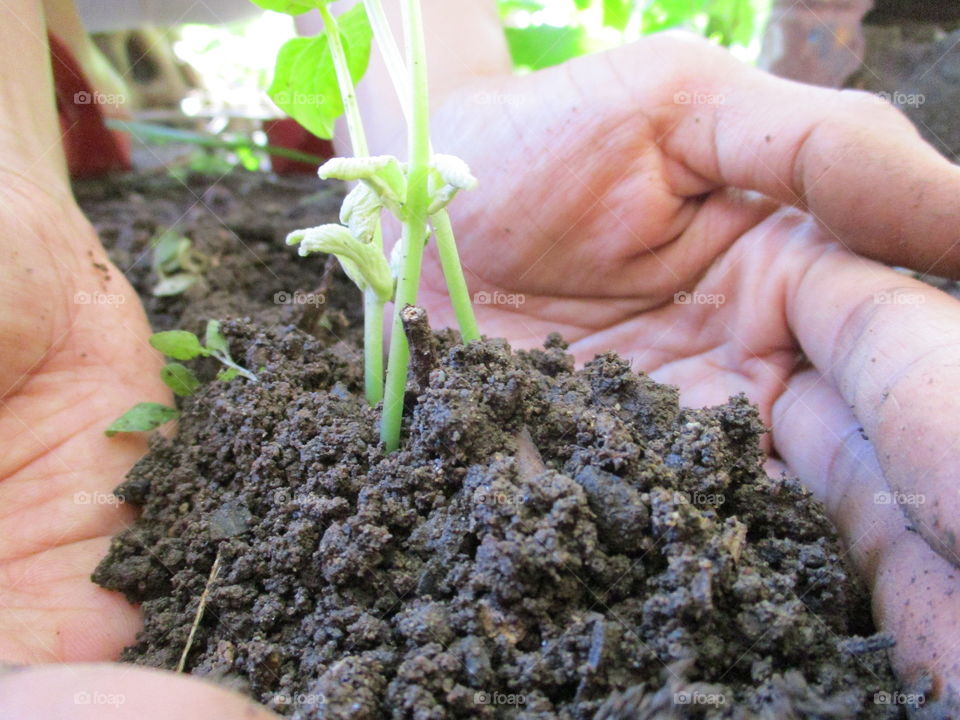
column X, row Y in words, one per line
column 78, row 359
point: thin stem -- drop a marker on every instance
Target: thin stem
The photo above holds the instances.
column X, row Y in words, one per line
column 372, row 346
column 358, row 138
column 453, row 273
column 415, row 222
column 390, row 52
column 372, row 307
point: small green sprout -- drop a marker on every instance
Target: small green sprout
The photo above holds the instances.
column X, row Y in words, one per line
column 142, row 417
column 416, row 192
column 177, row 264
column 179, row 345
column 184, row 345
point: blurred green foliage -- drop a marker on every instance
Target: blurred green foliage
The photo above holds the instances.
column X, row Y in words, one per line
column 541, row 33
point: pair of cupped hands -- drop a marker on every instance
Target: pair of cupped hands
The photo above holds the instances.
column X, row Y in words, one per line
column 725, row 230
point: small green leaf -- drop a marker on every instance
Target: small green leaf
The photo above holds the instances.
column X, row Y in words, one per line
column 180, row 379
column 540, row 46
column 305, row 81
column 616, row 13
column 178, row 344
column 166, row 251
column 174, row 285
column 214, row 339
column 287, row 7
column 227, row 374
column 142, row 417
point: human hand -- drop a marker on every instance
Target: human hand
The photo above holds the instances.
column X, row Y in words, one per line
column 712, row 223
column 75, row 356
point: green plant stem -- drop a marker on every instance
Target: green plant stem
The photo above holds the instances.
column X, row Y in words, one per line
column 372, row 307
column 414, row 225
column 453, row 273
column 390, row 52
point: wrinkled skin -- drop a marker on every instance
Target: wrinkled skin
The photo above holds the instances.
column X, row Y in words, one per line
column 602, row 198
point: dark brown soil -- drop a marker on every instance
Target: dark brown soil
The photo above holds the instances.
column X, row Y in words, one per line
column 550, row 543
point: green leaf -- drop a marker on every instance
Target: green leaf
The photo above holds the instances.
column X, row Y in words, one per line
column 582, row 4
column 178, row 344
column 174, row 285
column 508, row 6
column 540, row 46
column 305, row 81
column 167, row 247
column 142, row 417
column 287, row 7
column 227, row 374
column 214, row 339
column 180, row 379
column 616, row 13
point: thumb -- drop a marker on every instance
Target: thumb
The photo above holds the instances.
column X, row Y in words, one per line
column 121, row 692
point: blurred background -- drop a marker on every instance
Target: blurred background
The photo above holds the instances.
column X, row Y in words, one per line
column 192, row 84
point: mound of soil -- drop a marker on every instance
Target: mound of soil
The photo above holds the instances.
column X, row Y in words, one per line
column 549, row 543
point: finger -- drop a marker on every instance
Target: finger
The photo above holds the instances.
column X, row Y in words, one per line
column 914, row 590
column 29, row 125
column 120, row 692
column 891, row 346
column 853, row 161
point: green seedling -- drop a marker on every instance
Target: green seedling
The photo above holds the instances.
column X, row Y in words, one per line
column 184, row 345
column 179, row 345
column 416, row 192
column 177, row 264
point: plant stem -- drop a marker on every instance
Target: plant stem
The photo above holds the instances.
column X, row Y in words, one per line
column 372, row 307
column 453, row 273
column 414, row 225
column 390, row 52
